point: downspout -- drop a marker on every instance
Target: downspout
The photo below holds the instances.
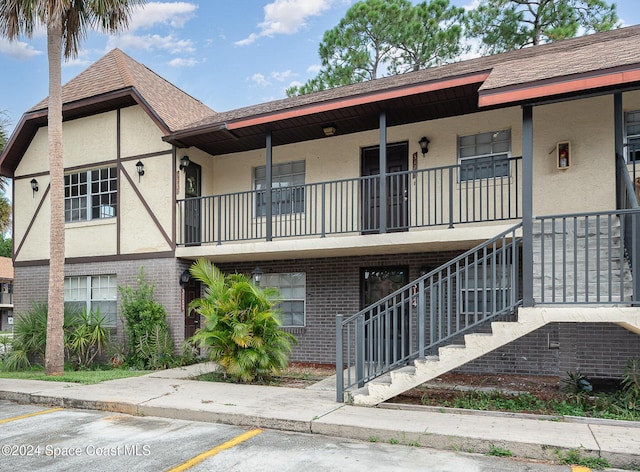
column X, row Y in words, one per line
column 527, row 206
column 383, row 172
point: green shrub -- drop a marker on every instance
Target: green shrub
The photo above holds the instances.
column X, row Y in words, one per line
column 30, row 337
column 631, row 385
column 86, row 338
column 146, row 320
column 156, row 348
column 241, row 328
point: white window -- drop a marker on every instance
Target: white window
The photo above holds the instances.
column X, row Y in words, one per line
column 485, row 288
column 90, row 195
column 632, row 133
column 293, row 292
column 93, row 294
column 287, row 196
column 484, row 155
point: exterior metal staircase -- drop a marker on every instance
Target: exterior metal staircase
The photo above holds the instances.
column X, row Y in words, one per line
column 581, row 273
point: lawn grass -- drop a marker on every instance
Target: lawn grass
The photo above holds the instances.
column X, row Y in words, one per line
column 85, row 377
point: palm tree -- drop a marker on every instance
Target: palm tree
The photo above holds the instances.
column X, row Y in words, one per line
column 241, row 330
column 67, row 22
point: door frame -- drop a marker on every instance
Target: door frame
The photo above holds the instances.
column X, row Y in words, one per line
column 397, row 207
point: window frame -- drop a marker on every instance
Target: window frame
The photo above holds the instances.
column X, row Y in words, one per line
column 265, row 282
column 483, row 156
column 285, row 199
column 89, row 300
column 90, row 194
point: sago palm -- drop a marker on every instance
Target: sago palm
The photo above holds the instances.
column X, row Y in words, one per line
column 241, row 328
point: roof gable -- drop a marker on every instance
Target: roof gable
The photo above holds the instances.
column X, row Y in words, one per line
column 117, row 71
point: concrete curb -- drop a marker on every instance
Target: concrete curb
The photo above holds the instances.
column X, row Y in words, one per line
column 304, row 411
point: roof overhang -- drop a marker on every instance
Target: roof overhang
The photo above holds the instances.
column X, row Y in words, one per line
column 408, row 104
column 609, row 79
column 31, row 121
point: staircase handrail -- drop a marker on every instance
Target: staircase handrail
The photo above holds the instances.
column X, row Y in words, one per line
column 401, row 327
column 424, row 277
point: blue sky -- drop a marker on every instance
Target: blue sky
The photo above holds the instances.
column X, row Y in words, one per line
column 228, row 54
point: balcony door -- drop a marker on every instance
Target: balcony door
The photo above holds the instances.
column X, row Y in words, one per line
column 192, row 192
column 397, row 207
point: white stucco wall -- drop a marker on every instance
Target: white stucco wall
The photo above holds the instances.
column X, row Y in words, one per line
column 92, row 142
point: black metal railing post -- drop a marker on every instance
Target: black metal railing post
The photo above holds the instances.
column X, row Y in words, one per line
column 339, row 360
column 360, row 354
column 451, row 198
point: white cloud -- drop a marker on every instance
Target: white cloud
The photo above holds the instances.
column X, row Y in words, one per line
column 295, row 83
column 17, row 49
column 314, row 69
column 259, row 79
column 83, row 59
column 182, row 62
column 152, row 42
column 282, row 76
column 286, row 17
column 174, row 14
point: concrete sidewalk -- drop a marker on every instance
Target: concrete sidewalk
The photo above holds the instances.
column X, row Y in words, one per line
column 171, row 394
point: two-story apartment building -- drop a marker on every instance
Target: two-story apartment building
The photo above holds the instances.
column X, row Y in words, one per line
column 412, row 205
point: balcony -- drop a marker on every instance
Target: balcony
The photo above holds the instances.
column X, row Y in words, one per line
column 419, row 199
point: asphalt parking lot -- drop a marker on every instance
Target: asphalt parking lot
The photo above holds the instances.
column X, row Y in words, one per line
column 38, row 438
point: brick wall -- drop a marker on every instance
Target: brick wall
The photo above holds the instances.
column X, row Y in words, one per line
column 31, row 285
column 333, row 286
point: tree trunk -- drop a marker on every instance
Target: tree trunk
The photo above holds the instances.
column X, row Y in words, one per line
column 54, row 355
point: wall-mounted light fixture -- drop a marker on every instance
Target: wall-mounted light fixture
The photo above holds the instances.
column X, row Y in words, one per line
column 257, row 275
column 184, row 162
column 185, row 277
column 424, row 145
column 329, row 130
column 140, row 169
column 34, row 187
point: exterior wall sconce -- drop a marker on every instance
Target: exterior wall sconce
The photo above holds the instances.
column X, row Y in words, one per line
column 329, row 131
column 184, row 162
column 34, row 187
column 257, row 275
column 424, row 145
column 140, row 169
column 185, row 277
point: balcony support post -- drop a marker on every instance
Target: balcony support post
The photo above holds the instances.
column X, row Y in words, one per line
column 619, row 144
column 269, row 187
column 527, row 206
column 383, row 172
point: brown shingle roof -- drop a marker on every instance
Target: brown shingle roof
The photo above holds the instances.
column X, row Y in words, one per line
column 568, row 57
column 117, row 71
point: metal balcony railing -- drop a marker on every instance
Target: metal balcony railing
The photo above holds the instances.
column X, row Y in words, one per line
column 441, row 196
column 6, row 298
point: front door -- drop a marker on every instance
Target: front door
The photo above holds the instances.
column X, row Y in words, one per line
column 397, row 188
column 191, row 318
column 192, row 204
column 375, row 284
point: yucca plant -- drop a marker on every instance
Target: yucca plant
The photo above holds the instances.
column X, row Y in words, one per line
column 241, row 329
column 86, row 337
